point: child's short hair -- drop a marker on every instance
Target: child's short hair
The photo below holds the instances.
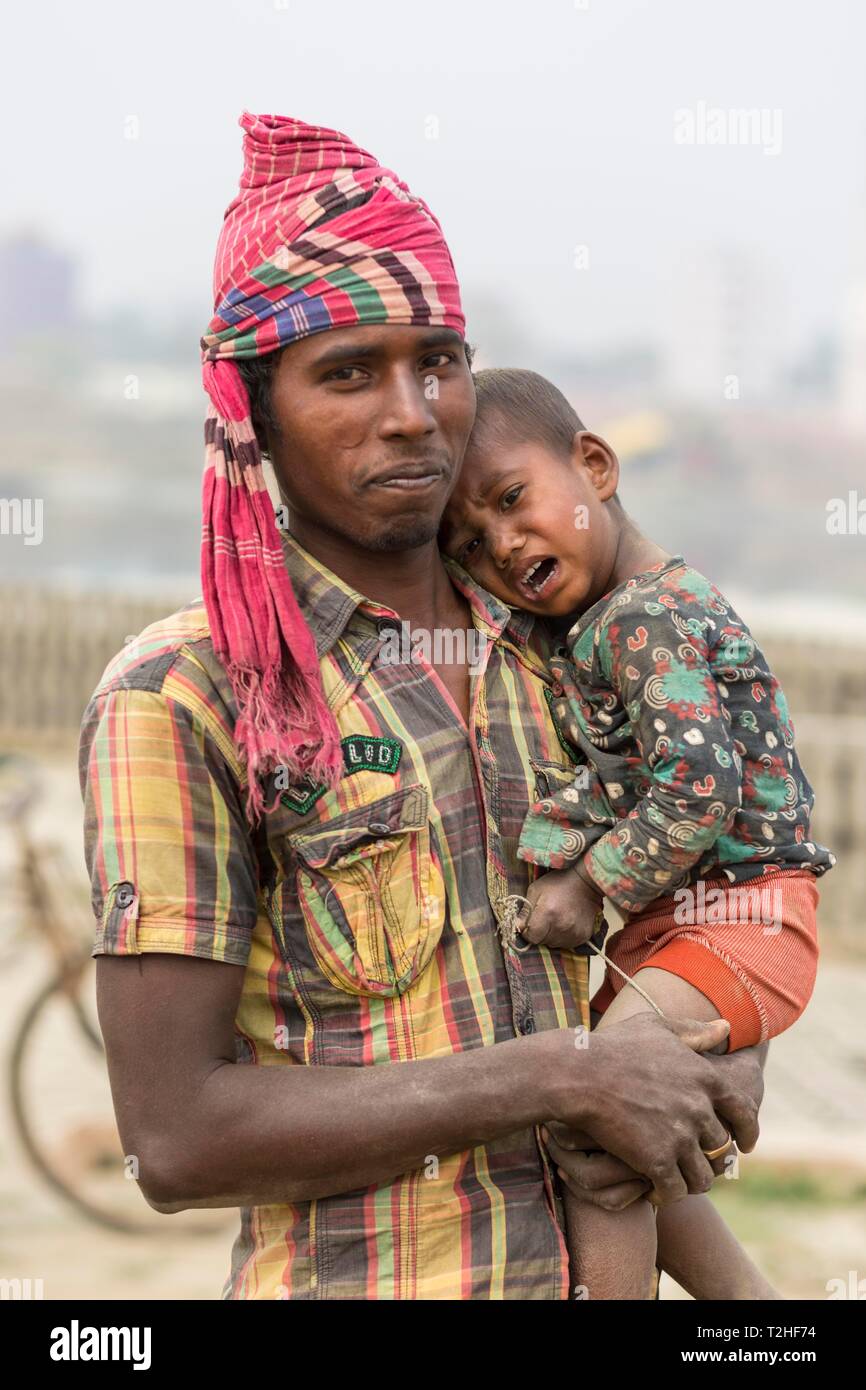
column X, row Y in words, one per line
column 518, row 404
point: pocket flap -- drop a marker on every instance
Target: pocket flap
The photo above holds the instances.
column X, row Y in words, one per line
column 551, row 777
column 365, row 829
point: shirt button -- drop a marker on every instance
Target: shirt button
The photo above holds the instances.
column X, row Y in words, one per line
column 124, row 895
column 526, row 1026
column 379, row 828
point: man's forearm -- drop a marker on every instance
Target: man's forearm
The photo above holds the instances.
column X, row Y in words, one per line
column 258, row 1135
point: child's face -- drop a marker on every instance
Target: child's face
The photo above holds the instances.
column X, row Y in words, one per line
column 532, row 526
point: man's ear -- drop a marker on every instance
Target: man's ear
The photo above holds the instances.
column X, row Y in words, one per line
column 600, row 461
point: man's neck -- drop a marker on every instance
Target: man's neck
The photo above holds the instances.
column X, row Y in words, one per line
column 414, row 583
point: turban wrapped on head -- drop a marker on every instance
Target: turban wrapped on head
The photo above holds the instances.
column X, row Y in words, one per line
column 319, row 236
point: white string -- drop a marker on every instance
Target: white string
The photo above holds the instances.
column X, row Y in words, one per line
column 511, row 909
column 628, row 979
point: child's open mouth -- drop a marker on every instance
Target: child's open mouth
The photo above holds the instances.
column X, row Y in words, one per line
column 537, row 577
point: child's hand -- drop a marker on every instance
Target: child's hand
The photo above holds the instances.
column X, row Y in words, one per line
column 565, row 910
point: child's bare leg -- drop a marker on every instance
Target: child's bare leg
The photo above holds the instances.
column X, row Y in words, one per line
column 697, row 1249
column 612, row 1253
column 694, row 1244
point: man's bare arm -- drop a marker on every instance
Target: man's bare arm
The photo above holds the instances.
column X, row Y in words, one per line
column 210, row 1133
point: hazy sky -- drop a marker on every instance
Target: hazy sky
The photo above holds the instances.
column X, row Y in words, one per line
column 556, row 129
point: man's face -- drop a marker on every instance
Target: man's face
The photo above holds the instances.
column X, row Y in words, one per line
column 373, row 422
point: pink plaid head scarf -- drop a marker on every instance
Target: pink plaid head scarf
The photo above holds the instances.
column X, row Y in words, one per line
column 319, row 236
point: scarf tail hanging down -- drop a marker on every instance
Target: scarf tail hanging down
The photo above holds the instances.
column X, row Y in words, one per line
column 319, row 236
column 257, row 628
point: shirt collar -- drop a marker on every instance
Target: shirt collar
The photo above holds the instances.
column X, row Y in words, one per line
column 512, row 624
column 328, row 602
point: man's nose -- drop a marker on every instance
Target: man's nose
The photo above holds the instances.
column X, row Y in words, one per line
column 407, row 410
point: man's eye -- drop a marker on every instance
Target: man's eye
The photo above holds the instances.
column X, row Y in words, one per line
column 510, row 497
column 345, row 374
column 438, row 359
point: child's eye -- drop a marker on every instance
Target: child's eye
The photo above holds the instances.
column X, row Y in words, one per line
column 467, row 551
column 510, row 497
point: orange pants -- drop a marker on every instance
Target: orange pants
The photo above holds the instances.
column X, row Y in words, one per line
column 751, row 948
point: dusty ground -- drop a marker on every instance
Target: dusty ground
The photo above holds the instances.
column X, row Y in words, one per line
column 798, row 1203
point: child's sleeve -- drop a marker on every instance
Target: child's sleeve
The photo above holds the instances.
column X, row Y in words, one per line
column 655, row 657
column 564, row 825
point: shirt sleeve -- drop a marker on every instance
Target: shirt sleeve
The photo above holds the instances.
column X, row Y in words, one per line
column 171, row 862
column 656, row 659
column 564, row 825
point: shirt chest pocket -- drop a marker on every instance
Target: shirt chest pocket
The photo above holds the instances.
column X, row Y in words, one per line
column 372, row 894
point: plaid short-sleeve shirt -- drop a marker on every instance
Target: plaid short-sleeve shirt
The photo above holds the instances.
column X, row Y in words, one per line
column 366, row 916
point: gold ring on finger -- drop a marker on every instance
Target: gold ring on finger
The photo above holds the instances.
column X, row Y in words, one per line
column 717, row 1153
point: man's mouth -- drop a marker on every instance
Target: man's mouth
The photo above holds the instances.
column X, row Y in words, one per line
column 410, row 476
column 536, row 577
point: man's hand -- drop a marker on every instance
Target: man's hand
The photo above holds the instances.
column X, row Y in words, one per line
column 565, row 909
column 655, row 1103
column 592, row 1175
column 745, row 1070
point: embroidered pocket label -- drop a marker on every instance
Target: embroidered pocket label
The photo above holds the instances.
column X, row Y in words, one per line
column 361, row 753
column 302, row 798
column 370, row 754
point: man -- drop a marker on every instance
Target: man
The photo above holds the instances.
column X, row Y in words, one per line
column 309, row 846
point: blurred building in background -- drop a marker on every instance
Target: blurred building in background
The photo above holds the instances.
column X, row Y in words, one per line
column 726, row 336
column 37, row 290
